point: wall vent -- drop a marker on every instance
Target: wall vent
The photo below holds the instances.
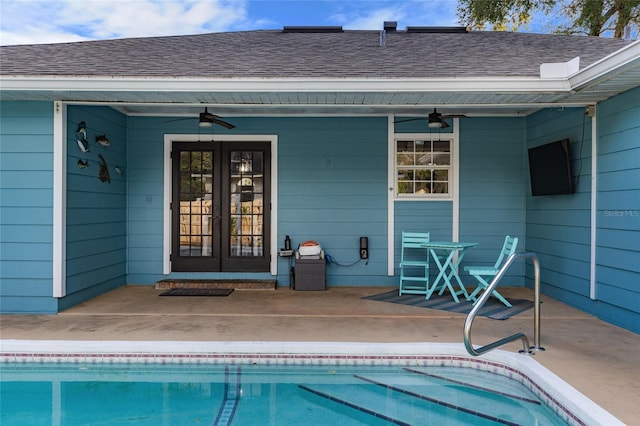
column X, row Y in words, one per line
column 437, row 30
column 312, row 29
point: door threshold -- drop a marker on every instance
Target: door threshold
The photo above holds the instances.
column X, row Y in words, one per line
column 236, row 284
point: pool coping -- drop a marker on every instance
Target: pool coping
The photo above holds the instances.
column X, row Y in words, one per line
column 569, row 403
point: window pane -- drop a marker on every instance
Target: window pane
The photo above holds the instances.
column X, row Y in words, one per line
column 247, row 199
column 405, row 188
column 442, row 175
column 441, row 153
column 423, row 187
column 405, row 146
column 417, row 164
column 440, row 188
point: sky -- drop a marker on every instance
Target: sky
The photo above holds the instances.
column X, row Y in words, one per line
column 55, row 21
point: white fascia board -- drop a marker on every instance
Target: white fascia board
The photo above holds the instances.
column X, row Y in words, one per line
column 627, row 55
column 145, row 84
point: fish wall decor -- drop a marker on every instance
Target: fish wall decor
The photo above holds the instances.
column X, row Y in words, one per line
column 104, row 170
column 103, row 140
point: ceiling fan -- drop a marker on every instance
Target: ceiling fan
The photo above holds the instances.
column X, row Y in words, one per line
column 206, row 119
column 436, row 120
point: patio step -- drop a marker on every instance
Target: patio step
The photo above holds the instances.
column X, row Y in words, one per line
column 234, row 284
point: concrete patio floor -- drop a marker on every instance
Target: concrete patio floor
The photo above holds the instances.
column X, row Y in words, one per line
column 600, row 360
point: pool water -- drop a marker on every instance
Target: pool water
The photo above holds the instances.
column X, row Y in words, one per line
column 194, row 394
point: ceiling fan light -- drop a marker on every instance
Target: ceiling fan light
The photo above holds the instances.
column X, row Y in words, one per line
column 205, row 123
column 435, row 124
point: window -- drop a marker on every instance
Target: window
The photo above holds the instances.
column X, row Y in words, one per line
column 423, row 168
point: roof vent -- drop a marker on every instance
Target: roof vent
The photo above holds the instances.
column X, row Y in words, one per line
column 437, row 30
column 390, row 25
column 312, row 29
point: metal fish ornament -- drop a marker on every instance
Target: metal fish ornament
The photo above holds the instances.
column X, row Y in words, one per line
column 83, row 144
column 104, row 170
column 83, row 164
column 81, row 138
column 103, row 140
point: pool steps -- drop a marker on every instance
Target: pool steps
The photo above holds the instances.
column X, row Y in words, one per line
column 414, row 401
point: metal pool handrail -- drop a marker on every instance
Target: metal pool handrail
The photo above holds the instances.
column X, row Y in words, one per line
column 485, row 296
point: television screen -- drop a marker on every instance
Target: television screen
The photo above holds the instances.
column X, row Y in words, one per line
column 550, row 169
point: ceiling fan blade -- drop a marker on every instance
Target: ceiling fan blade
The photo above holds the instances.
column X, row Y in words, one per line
column 410, row 119
column 453, row 116
column 178, row 119
column 215, row 119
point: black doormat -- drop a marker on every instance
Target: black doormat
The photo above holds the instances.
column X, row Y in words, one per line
column 197, row 292
column 493, row 309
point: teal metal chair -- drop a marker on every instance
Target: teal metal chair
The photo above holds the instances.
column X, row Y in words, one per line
column 414, row 263
column 484, row 274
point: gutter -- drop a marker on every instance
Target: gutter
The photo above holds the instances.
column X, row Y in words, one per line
column 147, row 84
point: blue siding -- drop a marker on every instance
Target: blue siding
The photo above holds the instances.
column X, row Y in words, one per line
column 144, row 196
column 434, row 217
column 491, row 195
column 492, row 188
column 331, row 183
column 618, row 212
column 96, row 211
column 26, row 214
column 332, row 187
column 558, row 228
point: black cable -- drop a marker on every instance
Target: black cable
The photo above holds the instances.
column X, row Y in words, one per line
column 331, row 260
column 584, row 119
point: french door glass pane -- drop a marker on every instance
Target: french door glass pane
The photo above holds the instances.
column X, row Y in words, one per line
column 246, row 189
column 196, row 186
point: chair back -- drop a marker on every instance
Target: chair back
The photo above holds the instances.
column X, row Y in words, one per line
column 411, row 241
column 508, row 248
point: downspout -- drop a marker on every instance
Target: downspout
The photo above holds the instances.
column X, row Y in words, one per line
column 391, row 166
column 59, row 258
column 591, row 110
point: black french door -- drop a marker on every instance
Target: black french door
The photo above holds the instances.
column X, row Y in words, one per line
column 220, row 206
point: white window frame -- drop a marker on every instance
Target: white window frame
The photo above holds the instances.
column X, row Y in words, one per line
column 453, row 166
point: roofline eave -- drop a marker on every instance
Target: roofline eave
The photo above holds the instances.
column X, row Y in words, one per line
column 284, row 85
column 628, row 56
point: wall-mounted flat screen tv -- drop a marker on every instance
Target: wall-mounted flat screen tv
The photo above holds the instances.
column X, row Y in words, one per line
column 550, row 169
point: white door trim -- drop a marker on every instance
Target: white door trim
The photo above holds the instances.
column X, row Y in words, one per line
column 166, row 211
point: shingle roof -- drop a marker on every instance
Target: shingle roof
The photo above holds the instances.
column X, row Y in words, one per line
column 278, row 54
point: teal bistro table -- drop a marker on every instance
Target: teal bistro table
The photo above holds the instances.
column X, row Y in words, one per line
column 443, row 254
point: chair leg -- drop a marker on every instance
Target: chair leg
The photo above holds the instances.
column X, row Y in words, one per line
column 500, row 298
column 483, row 286
column 408, row 284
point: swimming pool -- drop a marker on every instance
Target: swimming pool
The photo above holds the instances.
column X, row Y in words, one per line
column 234, row 383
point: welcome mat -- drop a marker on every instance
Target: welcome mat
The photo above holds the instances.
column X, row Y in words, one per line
column 493, row 309
column 197, row 292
